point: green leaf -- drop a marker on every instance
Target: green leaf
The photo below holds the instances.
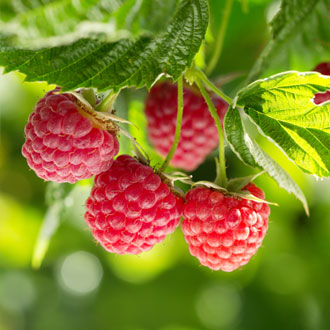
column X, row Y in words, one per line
column 51, row 22
column 288, row 23
column 234, row 131
column 282, row 107
column 127, row 62
column 312, row 40
column 236, row 184
column 250, row 152
column 145, row 15
column 40, row 19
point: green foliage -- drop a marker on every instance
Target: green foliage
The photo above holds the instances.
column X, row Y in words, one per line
column 278, row 288
column 235, row 135
column 253, row 155
column 149, row 15
column 283, row 109
column 294, row 17
column 40, row 19
column 127, row 62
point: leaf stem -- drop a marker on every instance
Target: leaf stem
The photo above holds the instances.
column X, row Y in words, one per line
column 201, row 75
column 220, row 37
column 221, row 178
column 178, row 126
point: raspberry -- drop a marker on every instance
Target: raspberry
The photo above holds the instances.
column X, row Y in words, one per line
column 223, row 232
column 323, row 68
column 63, row 146
column 199, row 134
column 130, row 208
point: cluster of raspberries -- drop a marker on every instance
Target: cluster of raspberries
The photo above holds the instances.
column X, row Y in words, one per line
column 131, row 206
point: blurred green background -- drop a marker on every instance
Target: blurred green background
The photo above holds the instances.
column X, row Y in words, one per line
column 80, row 286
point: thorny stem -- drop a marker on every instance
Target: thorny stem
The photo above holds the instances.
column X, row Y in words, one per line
column 201, row 75
column 178, row 126
column 220, row 37
column 221, row 178
column 107, row 103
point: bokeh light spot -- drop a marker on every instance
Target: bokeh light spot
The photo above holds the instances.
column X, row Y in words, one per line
column 16, row 291
column 144, row 267
column 311, row 314
column 80, row 273
column 219, row 306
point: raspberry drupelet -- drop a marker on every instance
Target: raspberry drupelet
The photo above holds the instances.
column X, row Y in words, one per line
column 63, row 146
column 223, row 232
column 130, row 208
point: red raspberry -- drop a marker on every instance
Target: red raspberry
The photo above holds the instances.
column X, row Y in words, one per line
column 199, row 134
column 130, row 209
column 323, row 68
column 224, row 232
column 63, row 146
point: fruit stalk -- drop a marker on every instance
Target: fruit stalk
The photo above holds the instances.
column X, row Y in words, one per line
column 221, row 178
column 178, row 126
column 201, row 75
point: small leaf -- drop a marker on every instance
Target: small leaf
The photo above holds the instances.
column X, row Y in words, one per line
column 236, row 184
column 209, row 184
column 249, row 196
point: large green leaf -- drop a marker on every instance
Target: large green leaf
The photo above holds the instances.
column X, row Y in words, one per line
column 292, row 21
column 282, row 107
column 127, row 62
column 312, row 40
column 40, row 19
column 51, row 22
column 251, row 154
column 145, row 15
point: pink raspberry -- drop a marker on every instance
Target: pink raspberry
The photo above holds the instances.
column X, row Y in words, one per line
column 63, row 146
column 323, row 68
column 199, row 134
column 224, row 232
column 130, row 208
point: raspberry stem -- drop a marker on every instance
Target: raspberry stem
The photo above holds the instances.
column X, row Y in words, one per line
column 220, row 37
column 221, row 178
column 201, row 75
column 178, row 126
